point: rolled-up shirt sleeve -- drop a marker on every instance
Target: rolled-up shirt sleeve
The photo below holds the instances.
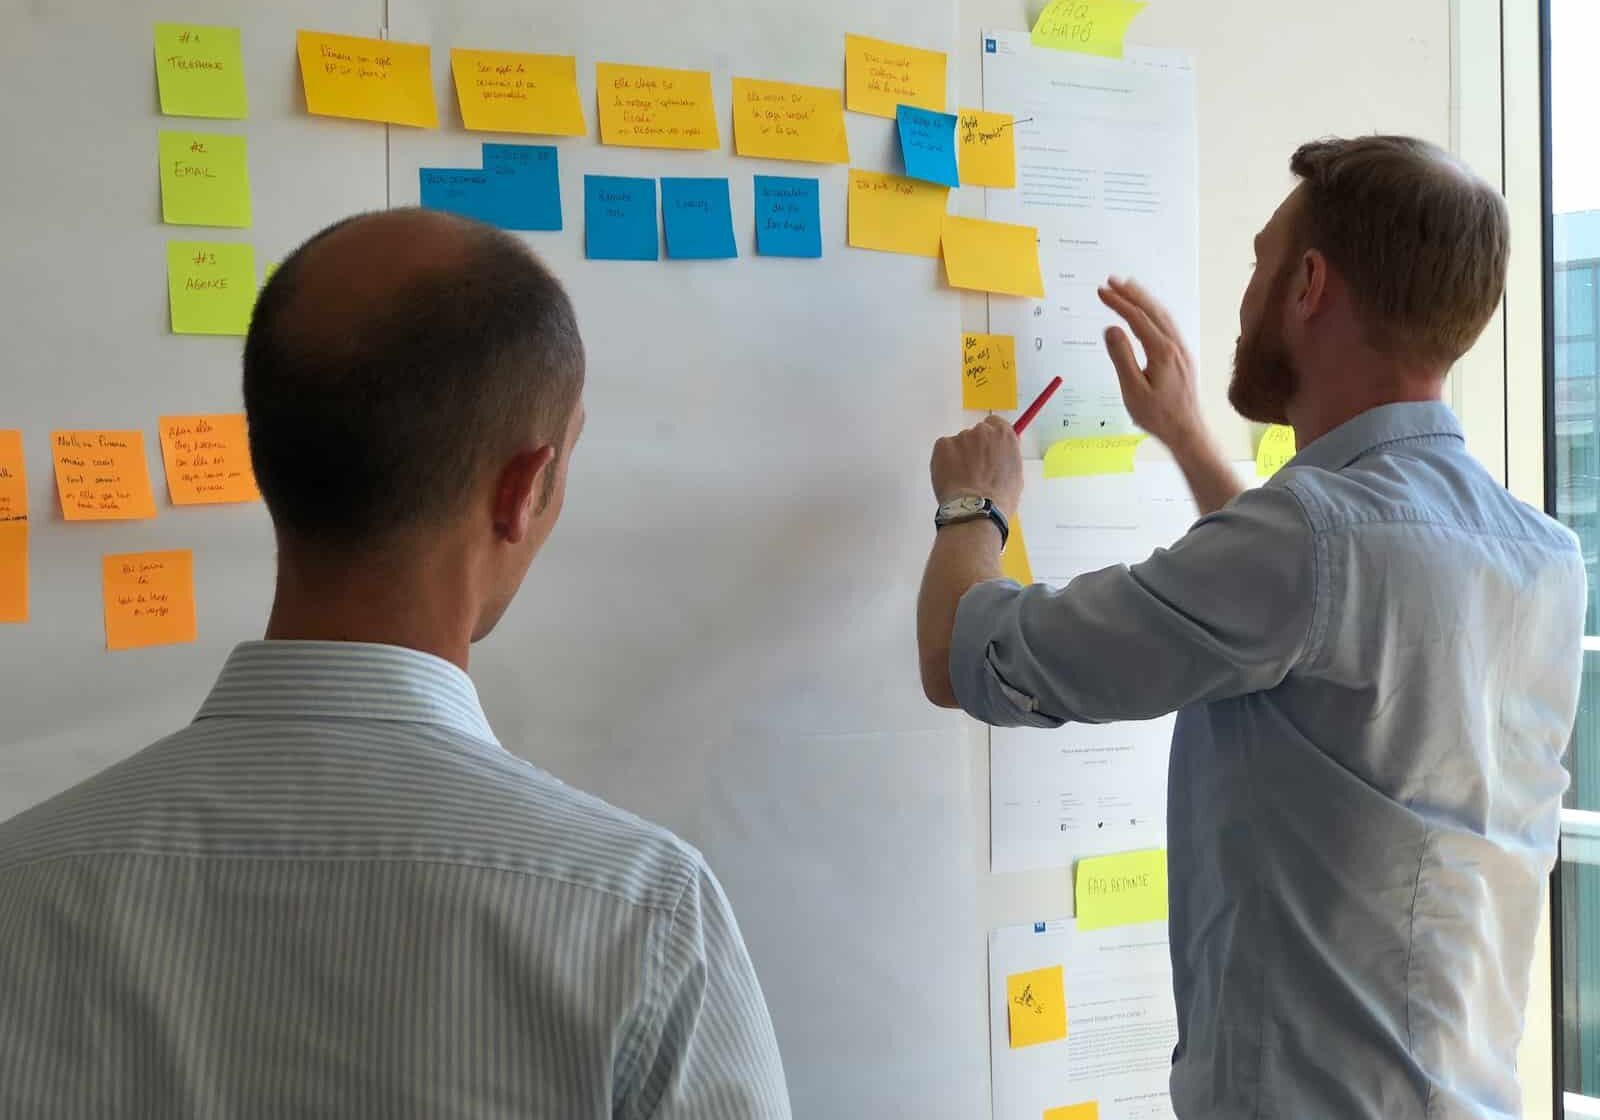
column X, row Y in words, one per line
column 1231, row 608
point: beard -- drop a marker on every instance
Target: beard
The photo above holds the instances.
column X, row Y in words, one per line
column 1265, row 378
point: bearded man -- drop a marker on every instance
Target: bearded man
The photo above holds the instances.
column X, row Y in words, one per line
column 1375, row 659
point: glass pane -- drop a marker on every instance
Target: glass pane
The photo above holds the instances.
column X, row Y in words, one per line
column 1579, row 304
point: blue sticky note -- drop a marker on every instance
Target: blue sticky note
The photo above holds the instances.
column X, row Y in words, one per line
column 788, row 217
column 530, row 184
column 458, row 190
column 619, row 219
column 698, row 219
column 928, row 144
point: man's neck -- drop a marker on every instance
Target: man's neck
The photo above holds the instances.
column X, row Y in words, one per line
column 1312, row 418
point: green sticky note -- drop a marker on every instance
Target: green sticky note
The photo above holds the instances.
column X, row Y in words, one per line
column 200, row 71
column 1121, row 890
column 205, row 180
column 212, row 286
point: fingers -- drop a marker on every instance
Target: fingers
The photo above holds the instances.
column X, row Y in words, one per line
column 1135, row 292
column 1125, row 361
column 1150, row 336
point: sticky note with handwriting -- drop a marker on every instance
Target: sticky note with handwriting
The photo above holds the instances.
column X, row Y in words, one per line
column 988, row 372
column 1088, row 1110
column 1085, row 26
column 14, row 571
column 208, row 459
column 200, row 71
column 1036, row 1003
column 149, row 598
column 654, row 107
column 880, row 76
column 1014, row 557
column 509, row 91
column 1275, row 450
column 367, row 79
column 894, row 214
column 928, row 145
column 788, row 217
column 13, row 477
column 992, row 257
column 781, row 120
column 519, row 187
column 205, row 179
column 211, row 286
column 988, row 148
column 102, row 476
column 698, row 219
column 1077, row 458
column 1121, row 890
column 619, row 219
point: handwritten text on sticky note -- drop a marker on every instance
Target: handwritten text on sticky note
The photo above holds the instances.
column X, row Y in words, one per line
column 200, row 71
column 207, row 459
column 1036, row 1003
column 1275, row 449
column 211, row 286
column 880, row 76
column 149, row 598
column 508, row 91
column 654, row 107
column 780, row 120
column 1077, row 458
column 1121, row 890
column 205, row 179
column 102, row 476
column 988, row 372
column 367, row 79
column 619, row 219
column 788, row 217
column 928, row 145
column 992, row 257
column 988, row 148
column 1085, row 26
column 13, row 477
column 896, row 215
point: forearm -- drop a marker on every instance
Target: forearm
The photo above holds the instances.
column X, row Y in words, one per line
column 962, row 557
column 1211, row 478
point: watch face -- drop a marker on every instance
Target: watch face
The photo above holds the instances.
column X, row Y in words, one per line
column 961, row 507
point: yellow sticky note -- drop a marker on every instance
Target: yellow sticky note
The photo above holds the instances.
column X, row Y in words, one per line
column 896, row 214
column 992, row 257
column 200, row 71
column 208, row 459
column 14, row 571
column 1074, row 458
column 367, row 79
column 149, row 598
column 1121, row 890
column 1085, row 26
column 986, row 149
column 507, row 91
column 1088, row 1110
column 1037, row 1004
column 780, row 120
column 102, row 476
column 880, row 76
column 653, row 107
column 211, row 286
column 1275, row 449
column 205, row 180
column 1014, row 559
column 13, row 478
column 988, row 372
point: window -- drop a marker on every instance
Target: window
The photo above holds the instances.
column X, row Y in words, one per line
column 1572, row 449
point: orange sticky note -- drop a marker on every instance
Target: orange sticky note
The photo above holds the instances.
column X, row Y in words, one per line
column 14, row 571
column 655, row 107
column 1014, row 563
column 508, row 91
column 207, row 459
column 780, row 120
column 13, row 477
column 992, row 257
column 896, row 215
column 880, row 76
column 988, row 372
column 367, row 79
column 149, row 598
column 986, row 150
column 102, row 476
column 1088, row 1110
column 1037, row 1004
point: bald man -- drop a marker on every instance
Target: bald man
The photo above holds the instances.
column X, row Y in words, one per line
column 335, row 893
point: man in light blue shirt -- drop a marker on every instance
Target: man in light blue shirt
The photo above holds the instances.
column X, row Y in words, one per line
column 1375, row 658
column 335, row 893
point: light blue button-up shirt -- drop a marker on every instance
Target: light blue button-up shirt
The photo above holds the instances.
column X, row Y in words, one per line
column 1376, row 659
column 335, row 894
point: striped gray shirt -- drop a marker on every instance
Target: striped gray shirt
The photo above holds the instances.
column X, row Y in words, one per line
column 336, row 894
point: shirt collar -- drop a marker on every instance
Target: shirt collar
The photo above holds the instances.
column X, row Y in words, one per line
column 1386, row 424
column 346, row 680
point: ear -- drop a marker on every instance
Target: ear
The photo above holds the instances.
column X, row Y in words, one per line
column 516, row 492
column 1311, row 293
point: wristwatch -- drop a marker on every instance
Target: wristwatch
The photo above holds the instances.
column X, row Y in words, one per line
column 958, row 511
